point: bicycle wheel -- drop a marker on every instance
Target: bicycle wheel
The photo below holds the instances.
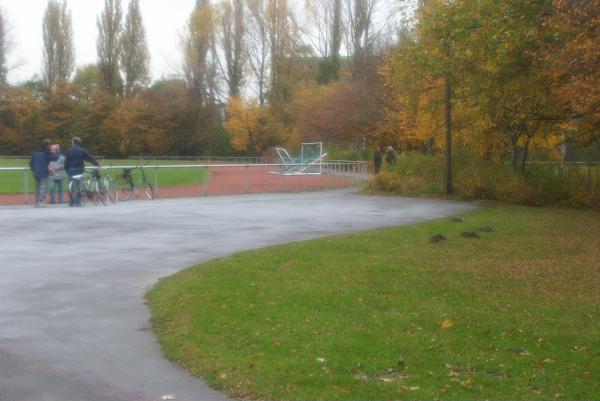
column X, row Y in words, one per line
column 73, row 190
column 149, row 190
column 101, row 192
column 90, row 191
column 113, row 194
column 125, row 189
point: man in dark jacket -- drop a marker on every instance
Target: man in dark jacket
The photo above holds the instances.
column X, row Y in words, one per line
column 39, row 161
column 377, row 159
column 75, row 159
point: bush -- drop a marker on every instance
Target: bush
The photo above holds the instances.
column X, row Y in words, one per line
column 336, row 153
column 416, row 174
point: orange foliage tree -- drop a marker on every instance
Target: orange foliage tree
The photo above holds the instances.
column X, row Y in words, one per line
column 252, row 128
column 573, row 54
column 341, row 112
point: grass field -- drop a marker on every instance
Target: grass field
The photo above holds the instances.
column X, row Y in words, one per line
column 388, row 314
column 13, row 182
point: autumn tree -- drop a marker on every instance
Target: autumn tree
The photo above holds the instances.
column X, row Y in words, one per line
column 109, row 46
column 58, row 112
column 173, row 117
column 323, row 30
column 89, row 80
column 510, row 84
column 94, row 130
column 257, row 51
column 134, row 57
column 231, row 39
column 251, row 127
column 273, row 41
column 18, row 111
column 197, row 44
column 340, row 113
column 280, row 45
column 58, row 49
column 363, row 31
column 573, row 54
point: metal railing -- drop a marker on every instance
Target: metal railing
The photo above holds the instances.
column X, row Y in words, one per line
column 590, row 170
column 352, row 171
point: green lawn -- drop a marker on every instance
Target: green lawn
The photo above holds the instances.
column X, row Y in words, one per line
column 388, row 315
column 13, row 182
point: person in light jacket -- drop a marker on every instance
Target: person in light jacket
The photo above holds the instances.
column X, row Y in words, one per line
column 56, row 175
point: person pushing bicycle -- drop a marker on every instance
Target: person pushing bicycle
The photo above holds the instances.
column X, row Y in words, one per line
column 75, row 159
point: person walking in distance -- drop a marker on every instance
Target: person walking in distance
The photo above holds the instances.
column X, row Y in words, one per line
column 56, row 175
column 378, row 159
column 39, row 161
column 390, row 156
column 75, row 159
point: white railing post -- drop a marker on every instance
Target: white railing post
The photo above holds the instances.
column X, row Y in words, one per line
column 26, row 183
column 205, row 180
column 156, row 189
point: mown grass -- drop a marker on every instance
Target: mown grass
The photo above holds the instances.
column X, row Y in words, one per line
column 388, row 315
column 13, row 182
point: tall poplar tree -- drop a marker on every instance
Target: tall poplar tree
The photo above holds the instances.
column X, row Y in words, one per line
column 58, row 51
column 135, row 57
column 231, row 33
column 3, row 50
column 257, row 47
column 109, row 46
column 197, row 44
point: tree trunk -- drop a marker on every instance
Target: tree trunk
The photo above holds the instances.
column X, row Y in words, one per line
column 525, row 154
column 448, row 101
column 514, row 139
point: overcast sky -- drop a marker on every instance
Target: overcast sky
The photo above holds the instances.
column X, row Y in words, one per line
column 164, row 22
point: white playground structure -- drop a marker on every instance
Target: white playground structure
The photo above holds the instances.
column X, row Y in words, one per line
column 307, row 163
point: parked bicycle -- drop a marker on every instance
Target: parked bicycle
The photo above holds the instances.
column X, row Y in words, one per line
column 111, row 186
column 89, row 187
column 130, row 181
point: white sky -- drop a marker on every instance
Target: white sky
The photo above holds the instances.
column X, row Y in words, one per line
column 164, row 22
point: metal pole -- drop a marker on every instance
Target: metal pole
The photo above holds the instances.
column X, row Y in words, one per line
column 281, row 182
column 26, row 181
column 205, row 180
column 247, row 181
column 156, row 189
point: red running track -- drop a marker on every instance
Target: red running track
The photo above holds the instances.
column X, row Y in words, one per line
column 230, row 181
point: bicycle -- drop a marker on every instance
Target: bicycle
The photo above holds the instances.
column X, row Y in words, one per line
column 88, row 186
column 126, row 185
column 111, row 187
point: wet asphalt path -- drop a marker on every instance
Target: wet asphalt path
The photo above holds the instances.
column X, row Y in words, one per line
column 73, row 324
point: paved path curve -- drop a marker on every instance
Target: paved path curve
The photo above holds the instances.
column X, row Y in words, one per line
column 73, row 325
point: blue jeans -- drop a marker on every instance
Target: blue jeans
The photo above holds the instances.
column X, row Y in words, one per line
column 56, row 185
column 40, row 189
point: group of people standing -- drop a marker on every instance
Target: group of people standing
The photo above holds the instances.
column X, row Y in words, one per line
column 390, row 157
column 50, row 168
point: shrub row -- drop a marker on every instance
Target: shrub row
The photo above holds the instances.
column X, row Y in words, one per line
column 416, row 174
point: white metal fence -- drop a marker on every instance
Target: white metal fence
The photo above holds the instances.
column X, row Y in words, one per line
column 353, row 173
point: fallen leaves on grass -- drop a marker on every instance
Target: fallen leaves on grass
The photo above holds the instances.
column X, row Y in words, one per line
column 447, row 324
